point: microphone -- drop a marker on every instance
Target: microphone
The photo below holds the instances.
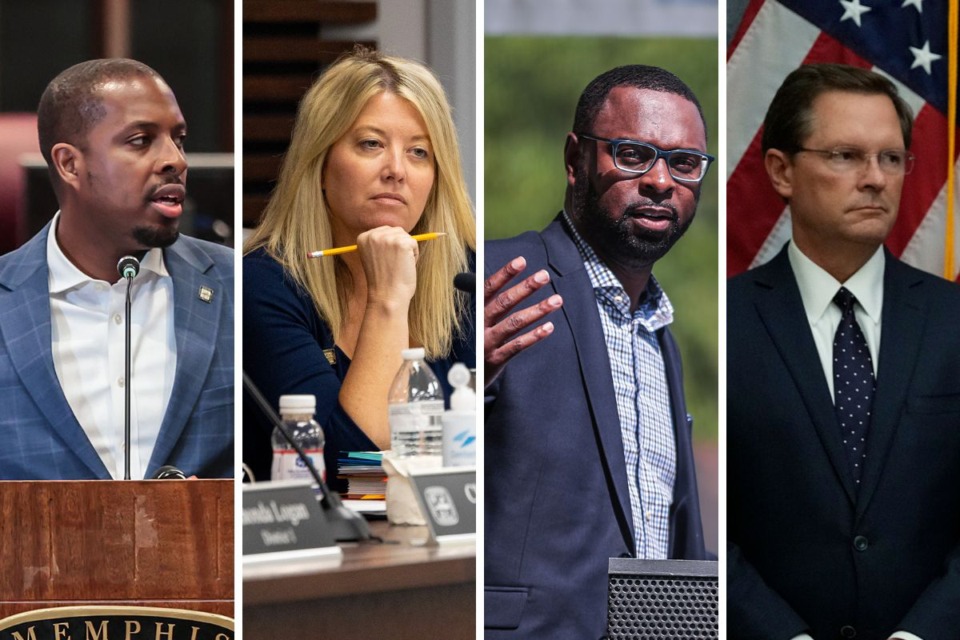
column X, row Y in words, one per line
column 128, row 267
column 168, row 472
column 346, row 525
column 466, row 282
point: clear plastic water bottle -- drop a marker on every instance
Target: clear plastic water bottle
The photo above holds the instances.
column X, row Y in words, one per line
column 415, row 408
column 297, row 415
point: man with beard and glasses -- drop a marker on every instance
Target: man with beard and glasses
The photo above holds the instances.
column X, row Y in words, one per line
column 588, row 441
column 112, row 135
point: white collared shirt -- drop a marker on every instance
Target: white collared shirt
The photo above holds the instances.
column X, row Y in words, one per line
column 817, row 289
column 88, row 353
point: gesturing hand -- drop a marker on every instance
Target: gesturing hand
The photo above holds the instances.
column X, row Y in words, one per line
column 501, row 324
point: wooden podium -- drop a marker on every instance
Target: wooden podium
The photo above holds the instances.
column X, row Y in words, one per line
column 159, row 543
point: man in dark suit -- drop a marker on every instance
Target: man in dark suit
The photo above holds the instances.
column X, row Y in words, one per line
column 112, row 135
column 843, row 393
column 588, row 440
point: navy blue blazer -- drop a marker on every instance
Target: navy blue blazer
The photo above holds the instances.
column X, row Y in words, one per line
column 808, row 550
column 557, row 504
column 42, row 439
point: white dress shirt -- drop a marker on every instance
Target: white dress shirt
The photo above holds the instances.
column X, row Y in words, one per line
column 88, row 353
column 817, row 289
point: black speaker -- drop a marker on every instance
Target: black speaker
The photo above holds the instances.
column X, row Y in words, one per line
column 662, row 600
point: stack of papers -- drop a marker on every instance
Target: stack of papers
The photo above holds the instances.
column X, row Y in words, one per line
column 364, row 475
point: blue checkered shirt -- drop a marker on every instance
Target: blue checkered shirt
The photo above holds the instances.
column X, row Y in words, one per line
column 643, row 398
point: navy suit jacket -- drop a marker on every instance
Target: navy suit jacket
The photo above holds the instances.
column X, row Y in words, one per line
column 809, row 551
column 42, row 439
column 557, row 503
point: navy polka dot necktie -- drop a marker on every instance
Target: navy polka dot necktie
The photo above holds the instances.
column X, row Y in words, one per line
column 853, row 383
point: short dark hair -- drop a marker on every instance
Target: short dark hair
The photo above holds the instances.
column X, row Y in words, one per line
column 789, row 119
column 71, row 105
column 638, row 76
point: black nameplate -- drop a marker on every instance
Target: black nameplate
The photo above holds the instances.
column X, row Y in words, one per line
column 283, row 516
column 448, row 499
column 103, row 622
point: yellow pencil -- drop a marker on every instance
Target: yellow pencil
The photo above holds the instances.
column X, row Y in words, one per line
column 420, row 237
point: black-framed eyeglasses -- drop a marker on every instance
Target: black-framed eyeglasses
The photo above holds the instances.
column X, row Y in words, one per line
column 632, row 156
column 893, row 162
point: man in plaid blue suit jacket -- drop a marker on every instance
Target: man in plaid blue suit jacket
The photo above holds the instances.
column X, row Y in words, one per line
column 112, row 135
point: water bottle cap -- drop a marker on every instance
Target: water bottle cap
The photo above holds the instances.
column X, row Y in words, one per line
column 414, row 354
column 459, row 375
column 306, row 403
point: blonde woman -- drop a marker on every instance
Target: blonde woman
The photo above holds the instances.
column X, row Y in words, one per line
column 373, row 159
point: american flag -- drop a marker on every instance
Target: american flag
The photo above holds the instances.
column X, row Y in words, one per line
column 905, row 40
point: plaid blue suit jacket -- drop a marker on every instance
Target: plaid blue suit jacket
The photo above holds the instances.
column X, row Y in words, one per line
column 40, row 438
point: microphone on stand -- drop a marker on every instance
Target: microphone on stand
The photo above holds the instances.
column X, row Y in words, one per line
column 346, row 524
column 128, row 267
column 466, row 282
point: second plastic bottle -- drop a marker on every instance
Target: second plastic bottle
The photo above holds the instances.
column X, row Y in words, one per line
column 415, row 408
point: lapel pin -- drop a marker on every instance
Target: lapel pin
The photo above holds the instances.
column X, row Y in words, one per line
column 205, row 294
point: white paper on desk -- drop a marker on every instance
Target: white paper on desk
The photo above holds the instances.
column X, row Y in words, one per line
column 366, row 507
column 402, row 505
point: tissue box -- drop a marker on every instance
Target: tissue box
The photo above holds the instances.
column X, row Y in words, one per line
column 402, row 505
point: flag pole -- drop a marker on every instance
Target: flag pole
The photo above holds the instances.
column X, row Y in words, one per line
column 949, row 259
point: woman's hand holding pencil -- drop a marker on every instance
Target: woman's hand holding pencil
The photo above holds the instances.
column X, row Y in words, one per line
column 420, row 237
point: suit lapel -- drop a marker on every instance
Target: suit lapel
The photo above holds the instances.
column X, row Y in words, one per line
column 580, row 310
column 26, row 327
column 685, row 541
column 780, row 308
column 196, row 323
column 904, row 314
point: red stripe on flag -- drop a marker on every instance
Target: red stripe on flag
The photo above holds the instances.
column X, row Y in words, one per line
column 753, row 208
column 927, row 179
column 829, row 49
column 748, row 15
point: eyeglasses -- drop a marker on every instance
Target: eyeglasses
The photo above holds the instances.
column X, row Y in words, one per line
column 685, row 165
column 894, row 162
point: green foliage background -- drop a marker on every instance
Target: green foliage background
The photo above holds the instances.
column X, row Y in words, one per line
column 531, row 87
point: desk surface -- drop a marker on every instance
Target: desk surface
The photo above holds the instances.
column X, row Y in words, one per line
column 394, row 590
column 396, row 563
